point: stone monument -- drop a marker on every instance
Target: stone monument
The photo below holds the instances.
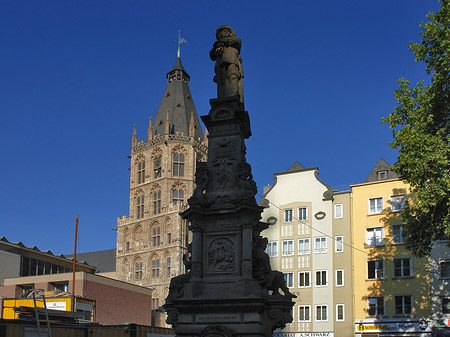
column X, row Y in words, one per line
column 229, row 288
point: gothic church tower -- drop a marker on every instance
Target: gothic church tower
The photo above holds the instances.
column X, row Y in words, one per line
column 152, row 239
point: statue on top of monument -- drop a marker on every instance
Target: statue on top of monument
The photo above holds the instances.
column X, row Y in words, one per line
column 228, row 69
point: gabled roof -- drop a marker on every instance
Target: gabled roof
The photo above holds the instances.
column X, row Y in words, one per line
column 381, row 171
column 178, row 103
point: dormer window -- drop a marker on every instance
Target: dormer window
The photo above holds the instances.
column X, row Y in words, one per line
column 382, row 175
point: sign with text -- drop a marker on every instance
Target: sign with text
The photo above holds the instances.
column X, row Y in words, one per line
column 304, row 334
column 364, row 325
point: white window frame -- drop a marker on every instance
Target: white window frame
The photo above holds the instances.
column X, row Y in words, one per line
column 288, row 215
column 288, row 244
column 309, row 279
column 402, row 268
column 440, row 269
column 304, row 242
column 374, row 240
column 289, row 278
column 376, row 205
column 339, row 243
column 399, row 201
column 272, row 248
column 337, row 312
column 309, row 313
column 338, row 214
column 300, row 213
column 379, row 272
column 394, row 241
column 320, row 248
column 336, row 277
column 326, row 312
column 321, row 273
column 376, row 306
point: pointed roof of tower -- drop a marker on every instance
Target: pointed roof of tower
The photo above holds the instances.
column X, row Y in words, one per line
column 177, row 105
column 381, row 171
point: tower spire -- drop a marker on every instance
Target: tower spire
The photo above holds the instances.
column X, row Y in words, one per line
column 150, row 130
column 134, row 138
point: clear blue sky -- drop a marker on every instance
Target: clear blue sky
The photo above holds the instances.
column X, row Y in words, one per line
column 76, row 75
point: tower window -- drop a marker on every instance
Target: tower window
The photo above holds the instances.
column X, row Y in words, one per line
column 141, row 172
column 169, row 263
column 155, row 268
column 177, row 196
column 157, row 167
column 178, row 165
column 156, row 236
column 157, row 202
column 140, row 207
column 138, row 271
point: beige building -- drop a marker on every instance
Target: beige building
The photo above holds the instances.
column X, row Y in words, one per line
column 152, row 239
column 309, row 240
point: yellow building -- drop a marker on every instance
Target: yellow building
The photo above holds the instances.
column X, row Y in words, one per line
column 391, row 287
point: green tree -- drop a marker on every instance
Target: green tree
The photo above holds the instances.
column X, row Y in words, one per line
column 421, row 125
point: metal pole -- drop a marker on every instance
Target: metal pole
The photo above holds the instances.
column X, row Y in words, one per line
column 75, row 256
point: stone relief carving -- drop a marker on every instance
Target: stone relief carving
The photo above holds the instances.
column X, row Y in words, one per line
column 201, row 180
column 176, row 287
column 221, row 255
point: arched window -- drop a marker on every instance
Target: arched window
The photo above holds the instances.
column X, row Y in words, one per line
column 156, row 236
column 168, row 265
column 156, row 202
column 138, row 270
column 178, row 165
column 155, row 268
column 177, row 196
column 141, row 171
column 157, row 167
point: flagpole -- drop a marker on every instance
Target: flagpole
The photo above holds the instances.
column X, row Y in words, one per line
column 75, row 256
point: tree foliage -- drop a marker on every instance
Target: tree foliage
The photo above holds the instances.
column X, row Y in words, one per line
column 421, row 125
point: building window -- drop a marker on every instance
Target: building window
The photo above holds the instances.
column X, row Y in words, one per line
column 178, row 165
column 321, row 278
column 169, row 265
column 140, row 207
column 138, row 271
column 157, row 167
column 272, row 248
column 156, row 236
column 338, row 211
column 375, row 269
column 445, row 269
column 303, row 213
column 288, row 215
column 304, row 279
column 61, row 287
column 169, row 238
column 320, row 245
column 376, row 306
column 340, row 313
column 155, row 303
column 321, row 313
column 403, row 305
column 446, row 306
column 402, row 267
column 374, row 237
column 375, row 206
column 287, row 247
column 397, row 234
column 339, row 244
column 177, row 197
column 127, row 246
column 339, row 278
column 157, row 202
column 304, row 313
column 382, row 175
column 155, row 268
column 304, row 246
column 397, row 202
column 141, row 172
column 289, row 278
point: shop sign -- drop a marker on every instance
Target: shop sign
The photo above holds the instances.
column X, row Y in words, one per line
column 363, row 325
column 56, row 305
column 304, row 334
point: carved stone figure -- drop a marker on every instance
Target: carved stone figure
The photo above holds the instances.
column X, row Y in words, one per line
column 176, row 287
column 228, row 69
column 270, row 279
column 201, row 181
